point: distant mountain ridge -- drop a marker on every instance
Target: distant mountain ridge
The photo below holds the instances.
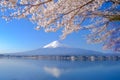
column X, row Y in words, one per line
column 56, row 48
column 59, row 51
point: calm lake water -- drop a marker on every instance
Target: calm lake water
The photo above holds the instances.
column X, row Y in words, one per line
column 19, row 69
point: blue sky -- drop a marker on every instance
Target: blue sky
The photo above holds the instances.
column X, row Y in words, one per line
column 20, row 35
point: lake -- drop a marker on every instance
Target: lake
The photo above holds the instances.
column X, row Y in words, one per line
column 24, row 69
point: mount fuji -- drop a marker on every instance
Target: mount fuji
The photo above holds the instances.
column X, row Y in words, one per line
column 57, row 48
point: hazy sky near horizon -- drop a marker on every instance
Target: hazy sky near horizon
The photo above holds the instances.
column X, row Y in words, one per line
column 20, row 35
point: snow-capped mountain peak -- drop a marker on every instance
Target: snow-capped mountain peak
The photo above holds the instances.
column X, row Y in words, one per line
column 54, row 44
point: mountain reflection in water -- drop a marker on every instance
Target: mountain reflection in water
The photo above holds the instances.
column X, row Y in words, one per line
column 20, row 69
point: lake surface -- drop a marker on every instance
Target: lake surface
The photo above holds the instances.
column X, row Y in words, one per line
column 22, row 69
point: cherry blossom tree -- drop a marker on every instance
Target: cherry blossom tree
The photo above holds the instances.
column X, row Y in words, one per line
column 100, row 17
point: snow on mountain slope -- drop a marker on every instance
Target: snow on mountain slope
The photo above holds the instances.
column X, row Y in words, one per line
column 54, row 44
